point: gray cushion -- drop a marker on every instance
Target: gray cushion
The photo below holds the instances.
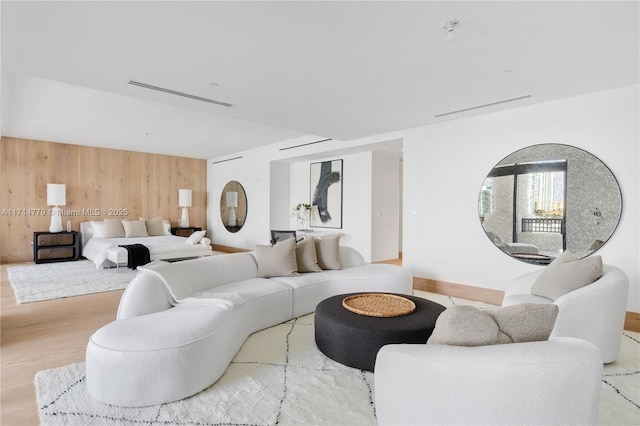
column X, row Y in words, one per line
column 306, row 256
column 278, row 260
column 134, row 228
column 328, row 251
column 155, row 226
column 114, row 228
column 565, row 274
column 470, row 326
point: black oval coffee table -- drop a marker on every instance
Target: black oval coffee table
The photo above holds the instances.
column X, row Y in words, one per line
column 353, row 339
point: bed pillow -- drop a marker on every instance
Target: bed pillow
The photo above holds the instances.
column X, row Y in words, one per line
column 166, row 225
column 328, row 251
column 470, row 326
column 155, row 226
column 278, row 260
column 306, row 256
column 114, row 228
column 565, row 274
column 134, row 228
column 98, row 229
column 195, row 237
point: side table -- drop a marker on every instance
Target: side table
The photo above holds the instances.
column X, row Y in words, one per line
column 55, row 246
column 185, row 232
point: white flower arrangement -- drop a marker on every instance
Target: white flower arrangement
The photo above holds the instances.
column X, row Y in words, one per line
column 301, row 211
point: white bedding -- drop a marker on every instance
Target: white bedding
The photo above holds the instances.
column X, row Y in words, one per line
column 95, row 249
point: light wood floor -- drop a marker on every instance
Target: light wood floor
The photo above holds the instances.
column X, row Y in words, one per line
column 42, row 335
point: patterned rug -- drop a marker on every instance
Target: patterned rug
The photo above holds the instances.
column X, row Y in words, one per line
column 280, row 377
column 46, row 281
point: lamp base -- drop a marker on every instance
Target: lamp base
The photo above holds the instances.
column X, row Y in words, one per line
column 232, row 217
column 56, row 220
column 184, row 220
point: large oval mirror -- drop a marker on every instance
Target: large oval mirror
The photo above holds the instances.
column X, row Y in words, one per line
column 544, row 199
column 233, row 206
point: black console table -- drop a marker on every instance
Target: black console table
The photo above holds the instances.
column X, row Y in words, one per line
column 55, row 246
column 185, row 232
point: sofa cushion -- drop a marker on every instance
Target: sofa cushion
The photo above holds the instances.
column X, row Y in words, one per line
column 328, row 251
column 306, row 256
column 565, row 274
column 278, row 260
column 470, row 326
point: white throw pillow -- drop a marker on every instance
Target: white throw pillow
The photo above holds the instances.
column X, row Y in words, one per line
column 155, row 226
column 166, row 225
column 98, row 229
column 195, row 237
column 134, row 228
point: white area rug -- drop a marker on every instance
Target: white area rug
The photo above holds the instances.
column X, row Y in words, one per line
column 45, row 281
column 280, row 377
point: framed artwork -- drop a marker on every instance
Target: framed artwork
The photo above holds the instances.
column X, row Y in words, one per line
column 326, row 194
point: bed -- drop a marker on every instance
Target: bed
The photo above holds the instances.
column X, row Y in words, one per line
column 102, row 248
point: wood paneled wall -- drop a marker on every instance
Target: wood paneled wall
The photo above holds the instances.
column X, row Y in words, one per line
column 100, row 183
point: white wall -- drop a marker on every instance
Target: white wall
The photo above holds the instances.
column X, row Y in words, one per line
column 445, row 165
column 385, row 198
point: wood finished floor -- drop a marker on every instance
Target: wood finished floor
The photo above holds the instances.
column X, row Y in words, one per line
column 42, row 335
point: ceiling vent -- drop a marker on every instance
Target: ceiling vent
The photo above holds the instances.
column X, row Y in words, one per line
column 174, row 92
column 482, row 106
column 304, row 144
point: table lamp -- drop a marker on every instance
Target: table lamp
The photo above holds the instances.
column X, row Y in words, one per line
column 184, row 201
column 56, row 196
column 232, row 202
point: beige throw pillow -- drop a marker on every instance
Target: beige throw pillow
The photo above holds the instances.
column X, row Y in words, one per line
column 306, row 256
column 134, row 228
column 278, row 260
column 328, row 251
column 565, row 274
column 155, row 226
column 470, row 326
column 114, row 228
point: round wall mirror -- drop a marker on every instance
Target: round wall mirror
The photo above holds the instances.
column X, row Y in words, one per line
column 233, row 206
column 544, row 199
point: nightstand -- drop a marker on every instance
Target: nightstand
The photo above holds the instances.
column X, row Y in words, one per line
column 185, row 232
column 55, row 246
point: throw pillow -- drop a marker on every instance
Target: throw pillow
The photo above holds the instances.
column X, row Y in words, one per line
column 134, row 228
column 328, row 251
column 166, row 225
column 114, row 228
column 98, row 229
column 306, row 256
column 565, row 274
column 155, row 226
column 470, row 326
column 278, row 260
column 195, row 237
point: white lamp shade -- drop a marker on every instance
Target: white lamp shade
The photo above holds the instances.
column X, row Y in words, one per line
column 184, row 198
column 232, row 199
column 56, row 194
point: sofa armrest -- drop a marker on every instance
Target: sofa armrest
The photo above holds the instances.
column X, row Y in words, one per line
column 145, row 294
column 499, row 384
column 350, row 258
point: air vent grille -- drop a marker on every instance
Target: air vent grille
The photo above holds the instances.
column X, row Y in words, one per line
column 175, row 92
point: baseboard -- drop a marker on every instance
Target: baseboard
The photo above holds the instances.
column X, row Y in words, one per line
column 487, row 295
column 227, row 249
column 632, row 322
column 494, row 297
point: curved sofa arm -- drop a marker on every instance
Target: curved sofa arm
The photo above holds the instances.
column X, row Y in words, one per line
column 499, row 384
column 145, row 294
column 350, row 257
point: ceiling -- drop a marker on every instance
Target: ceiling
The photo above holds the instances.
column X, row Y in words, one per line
column 332, row 69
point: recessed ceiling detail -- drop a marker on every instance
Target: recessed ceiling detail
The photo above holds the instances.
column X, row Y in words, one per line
column 483, row 106
column 174, row 92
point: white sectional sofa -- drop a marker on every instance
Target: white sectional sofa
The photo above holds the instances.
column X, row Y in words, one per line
column 172, row 341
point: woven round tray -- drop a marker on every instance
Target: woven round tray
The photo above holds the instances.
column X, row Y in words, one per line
column 379, row 305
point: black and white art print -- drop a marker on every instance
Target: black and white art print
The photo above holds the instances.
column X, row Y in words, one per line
column 326, row 194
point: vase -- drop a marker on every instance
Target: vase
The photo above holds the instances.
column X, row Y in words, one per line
column 303, row 219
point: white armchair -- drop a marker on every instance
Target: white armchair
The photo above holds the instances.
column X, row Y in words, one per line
column 548, row 382
column 594, row 312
